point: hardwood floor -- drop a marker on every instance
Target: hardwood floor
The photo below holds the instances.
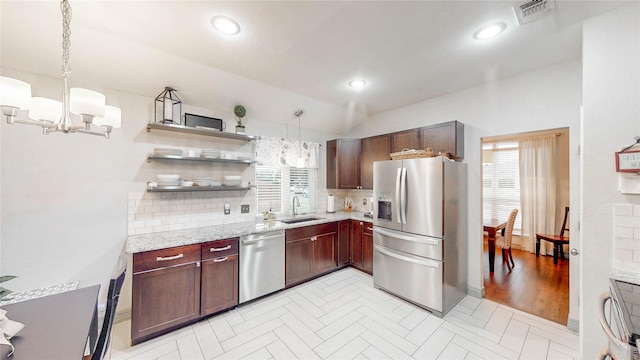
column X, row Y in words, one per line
column 534, row 285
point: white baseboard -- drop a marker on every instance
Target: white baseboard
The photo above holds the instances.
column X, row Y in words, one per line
column 573, row 325
column 475, row 292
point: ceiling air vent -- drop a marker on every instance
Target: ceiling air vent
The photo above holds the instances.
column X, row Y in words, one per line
column 533, row 10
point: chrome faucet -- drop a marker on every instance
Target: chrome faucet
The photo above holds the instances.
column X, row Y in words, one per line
column 295, row 199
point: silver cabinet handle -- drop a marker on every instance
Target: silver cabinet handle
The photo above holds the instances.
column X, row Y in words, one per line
column 220, row 259
column 168, row 258
column 313, row 238
column 369, row 228
column 220, row 249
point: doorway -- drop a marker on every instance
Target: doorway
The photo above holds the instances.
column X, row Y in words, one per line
column 535, row 284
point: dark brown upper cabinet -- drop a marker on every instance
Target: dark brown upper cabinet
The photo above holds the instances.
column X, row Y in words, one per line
column 407, row 139
column 375, row 148
column 446, row 137
column 343, row 164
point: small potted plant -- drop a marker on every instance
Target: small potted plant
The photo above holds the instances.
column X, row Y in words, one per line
column 240, row 112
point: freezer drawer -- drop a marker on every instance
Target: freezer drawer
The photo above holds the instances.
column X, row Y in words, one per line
column 411, row 277
column 425, row 246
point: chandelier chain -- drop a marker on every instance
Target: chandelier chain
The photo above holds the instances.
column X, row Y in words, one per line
column 65, row 7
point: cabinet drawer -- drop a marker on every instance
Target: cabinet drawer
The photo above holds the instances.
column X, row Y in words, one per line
column 163, row 258
column 308, row 231
column 219, row 248
column 367, row 228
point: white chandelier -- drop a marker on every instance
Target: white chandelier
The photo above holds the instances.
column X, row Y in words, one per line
column 52, row 115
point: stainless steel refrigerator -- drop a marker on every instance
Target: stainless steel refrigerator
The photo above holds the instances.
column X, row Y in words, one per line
column 420, row 231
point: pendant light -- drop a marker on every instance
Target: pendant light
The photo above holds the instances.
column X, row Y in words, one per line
column 300, row 162
column 52, row 115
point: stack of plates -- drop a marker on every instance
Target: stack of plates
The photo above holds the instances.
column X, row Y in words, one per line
column 232, row 180
column 205, row 181
column 168, row 180
column 166, row 151
column 210, row 154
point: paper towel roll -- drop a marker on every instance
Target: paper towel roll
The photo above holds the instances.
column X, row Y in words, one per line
column 331, row 204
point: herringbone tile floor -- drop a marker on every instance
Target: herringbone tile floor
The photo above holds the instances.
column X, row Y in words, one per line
column 342, row 316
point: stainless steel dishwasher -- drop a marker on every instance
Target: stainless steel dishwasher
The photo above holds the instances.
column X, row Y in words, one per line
column 261, row 264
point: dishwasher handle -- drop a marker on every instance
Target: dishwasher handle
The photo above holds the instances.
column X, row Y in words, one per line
column 252, row 239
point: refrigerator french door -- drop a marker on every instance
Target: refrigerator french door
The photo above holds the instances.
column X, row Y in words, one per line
column 420, row 231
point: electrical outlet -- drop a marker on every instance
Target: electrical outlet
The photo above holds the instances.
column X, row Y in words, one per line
column 244, row 209
column 227, row 209
column 364, row 201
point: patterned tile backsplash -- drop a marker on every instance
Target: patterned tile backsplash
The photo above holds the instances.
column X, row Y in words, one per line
column 627, row 238
column 166, row 211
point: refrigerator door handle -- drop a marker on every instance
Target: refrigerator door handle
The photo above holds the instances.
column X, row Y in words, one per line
column 401, row 236
column 403, row 195
column 398, row 205
column 425, row 262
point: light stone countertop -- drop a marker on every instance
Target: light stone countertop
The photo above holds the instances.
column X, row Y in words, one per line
column 168, row 239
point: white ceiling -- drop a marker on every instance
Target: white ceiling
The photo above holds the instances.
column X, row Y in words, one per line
column 302, row 53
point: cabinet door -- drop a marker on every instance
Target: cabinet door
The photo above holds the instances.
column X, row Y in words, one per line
column 219, row 284
column 163, row 299
column 344, row 229
column 443, row 138
column 299, row 260
column 367, row 247
column 372, row 149
column 355, row 248
column 408, row 139
column 343, row 164
column 324, row 253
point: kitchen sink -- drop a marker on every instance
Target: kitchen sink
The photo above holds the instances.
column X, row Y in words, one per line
column 299, row 220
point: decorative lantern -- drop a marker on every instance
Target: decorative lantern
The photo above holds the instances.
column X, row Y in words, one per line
column 168, row 107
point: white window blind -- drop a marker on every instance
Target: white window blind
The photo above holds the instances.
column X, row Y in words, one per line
column 501, row 181
column 269, row 188
column 277, row 185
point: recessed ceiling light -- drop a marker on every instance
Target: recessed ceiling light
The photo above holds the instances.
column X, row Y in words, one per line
column 490, row 31
column 225, row 25
column 357, row 83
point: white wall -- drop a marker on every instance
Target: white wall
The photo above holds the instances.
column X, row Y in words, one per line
column 545, row 99
column 611, row 93
column 65, row 196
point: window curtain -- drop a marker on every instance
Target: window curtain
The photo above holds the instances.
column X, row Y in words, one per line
column 538, row 190
column 272, row 151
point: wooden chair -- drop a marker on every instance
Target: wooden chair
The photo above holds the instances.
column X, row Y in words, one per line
column 115, row 285
column 557, row 240
column 503, row 241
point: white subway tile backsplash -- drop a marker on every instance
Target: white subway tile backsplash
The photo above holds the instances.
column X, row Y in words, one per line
column 623, row 210
column 627, row 238
column 157, row 212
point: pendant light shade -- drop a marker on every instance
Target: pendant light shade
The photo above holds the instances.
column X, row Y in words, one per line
column 44, row 109
column 86, row 102
column 14, row 93
column 112, row 117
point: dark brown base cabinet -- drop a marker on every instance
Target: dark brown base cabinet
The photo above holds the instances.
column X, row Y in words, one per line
column 344, row 233
column 310, row 251
column 219, row 289
column 361, row 245
column 166, row 291
column 177, row 286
